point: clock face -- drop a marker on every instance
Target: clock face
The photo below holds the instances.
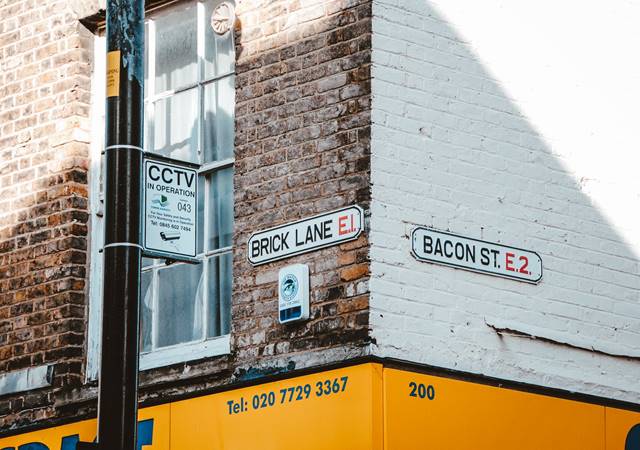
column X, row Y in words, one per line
column 222, row 18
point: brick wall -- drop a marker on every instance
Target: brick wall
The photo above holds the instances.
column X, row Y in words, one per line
column 504, row 133
column 44, row 109
column 302, row 148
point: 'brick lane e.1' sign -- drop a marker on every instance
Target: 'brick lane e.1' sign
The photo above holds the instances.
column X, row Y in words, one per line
column 305, row 235
column 472, row 254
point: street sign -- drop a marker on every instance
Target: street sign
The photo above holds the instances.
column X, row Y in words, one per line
column 305, row 235
column 479, row 256
column 170, row 209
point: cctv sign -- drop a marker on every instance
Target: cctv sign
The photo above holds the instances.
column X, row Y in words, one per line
column 170, row 207
column 305, row 235
column 479, row 256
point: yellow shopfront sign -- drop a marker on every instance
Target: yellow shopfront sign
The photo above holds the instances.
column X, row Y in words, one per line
column 327, row 410
column 365, row 407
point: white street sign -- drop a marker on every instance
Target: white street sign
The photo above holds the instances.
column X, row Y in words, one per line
column 170, row 207
column 472, row 254
column 305, row 235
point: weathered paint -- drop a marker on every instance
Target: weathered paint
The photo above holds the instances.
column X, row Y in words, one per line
column 128, row 39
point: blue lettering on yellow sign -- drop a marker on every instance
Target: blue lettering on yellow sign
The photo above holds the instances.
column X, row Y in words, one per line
column 633, row 438
column 145, row 437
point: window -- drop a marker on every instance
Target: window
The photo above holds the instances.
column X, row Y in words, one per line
column 189, row 112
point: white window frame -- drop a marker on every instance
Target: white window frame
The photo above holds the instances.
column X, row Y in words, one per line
column 96, row 208
column 209, row 347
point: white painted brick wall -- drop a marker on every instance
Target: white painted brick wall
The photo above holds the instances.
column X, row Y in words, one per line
column 513, row 122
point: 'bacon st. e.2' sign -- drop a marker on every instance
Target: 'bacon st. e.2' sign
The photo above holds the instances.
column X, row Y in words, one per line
column 479, row 256
column 305, row 235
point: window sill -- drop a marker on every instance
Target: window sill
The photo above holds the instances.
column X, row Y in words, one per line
column 186, row 352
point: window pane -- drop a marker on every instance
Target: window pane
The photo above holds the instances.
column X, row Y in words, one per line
column 218, row 120
column 219, row 52
column 220, row 268
column 179, row 304
column 146, row 59
column 146, row 262
column 220, row 212
column 201, row 196
column 148, row 127
column 172, row 128
column 176, row 126
column 146, row 313
column 176, row 49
